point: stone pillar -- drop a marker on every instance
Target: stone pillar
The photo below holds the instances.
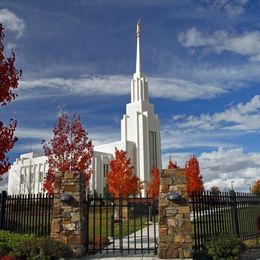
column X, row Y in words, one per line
column 175, row 240
column 69, row 218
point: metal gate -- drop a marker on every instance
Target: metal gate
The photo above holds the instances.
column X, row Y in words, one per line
column 125, row 226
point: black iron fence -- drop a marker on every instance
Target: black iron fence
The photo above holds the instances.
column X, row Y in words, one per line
column 223, row 213
column 122, row 225
column 26, row 214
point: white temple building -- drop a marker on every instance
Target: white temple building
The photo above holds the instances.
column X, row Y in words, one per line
column 140, row 138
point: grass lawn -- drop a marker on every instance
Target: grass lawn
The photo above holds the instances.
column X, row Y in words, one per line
column 101, row 223
column 220, row 221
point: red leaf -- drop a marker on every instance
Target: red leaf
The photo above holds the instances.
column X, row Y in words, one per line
column 193, row 176
column 121, row 180
column 154, row 184
column 9, row 77
column 70, row 149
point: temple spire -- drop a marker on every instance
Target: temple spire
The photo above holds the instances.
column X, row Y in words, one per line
column 138, row 52
column 139, row 84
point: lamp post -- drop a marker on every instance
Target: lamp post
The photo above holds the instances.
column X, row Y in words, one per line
column 225, row 185
column 249, row 186
column 232, row 187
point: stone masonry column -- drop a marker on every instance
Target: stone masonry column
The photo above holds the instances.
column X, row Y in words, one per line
column 175, row 240
column 69, row 220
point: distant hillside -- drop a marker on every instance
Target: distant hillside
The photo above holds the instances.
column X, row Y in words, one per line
column 4, row 182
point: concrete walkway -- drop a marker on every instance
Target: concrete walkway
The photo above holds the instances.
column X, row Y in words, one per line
column 136, row 242
column 251, row 254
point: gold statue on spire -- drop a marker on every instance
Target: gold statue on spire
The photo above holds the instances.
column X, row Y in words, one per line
column 138, row 28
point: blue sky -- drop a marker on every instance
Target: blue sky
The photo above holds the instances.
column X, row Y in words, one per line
column 201, row 58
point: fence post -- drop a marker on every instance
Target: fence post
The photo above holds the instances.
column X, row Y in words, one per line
column 69, row 211
column 2, row 208
column 234, row 215
column 175, row 240
column 120, row 225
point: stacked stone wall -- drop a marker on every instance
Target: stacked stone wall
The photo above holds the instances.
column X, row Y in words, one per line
column 175, row 240
column 68, row 221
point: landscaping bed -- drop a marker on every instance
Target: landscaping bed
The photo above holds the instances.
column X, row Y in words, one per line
column 16, row 246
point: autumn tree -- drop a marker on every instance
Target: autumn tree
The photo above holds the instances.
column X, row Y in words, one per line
column 70, row 149
column 256, row 187
column 171, row 164
column 122, row 182
column 215, row 190
column 154, row 184
column 9, row 77
column 193, row 176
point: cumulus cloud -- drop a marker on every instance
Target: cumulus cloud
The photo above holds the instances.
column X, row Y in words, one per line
column 222, row 166
column 247, row 43
column 243, row 116
column 11, row 22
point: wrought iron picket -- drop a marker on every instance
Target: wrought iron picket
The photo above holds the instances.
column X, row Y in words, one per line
column 223, row 213
column 121, row 225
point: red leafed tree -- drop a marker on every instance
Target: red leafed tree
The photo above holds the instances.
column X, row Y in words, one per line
column 9, row 77
column 256, row 187
column 194, row 178
column 121, row 180
column 154, row 184
column 172, row 165
column 70, row 149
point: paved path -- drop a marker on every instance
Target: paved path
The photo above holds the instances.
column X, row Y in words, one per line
column 251, row 254
column 135, row 245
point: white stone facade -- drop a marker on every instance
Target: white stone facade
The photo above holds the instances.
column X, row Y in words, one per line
column 27, row 174
column 140, row 137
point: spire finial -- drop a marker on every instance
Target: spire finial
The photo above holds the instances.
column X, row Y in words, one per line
column 138, row 52
column 138, row 28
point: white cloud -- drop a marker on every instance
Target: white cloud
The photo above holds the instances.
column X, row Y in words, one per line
column 109, row 85
column 103, row 135
column 33, row 133
column 11, row 22
column 174, row 138
column 225, row 165
column 243, row 116
column 233, row 8
column 178, row 117
column 180, row 158
column 176, row 89
column 28, row 147
column 10, row 46
column 222, row 166
column 179, row 89
column 247, row 43
column 4, row 182
column 99, row 135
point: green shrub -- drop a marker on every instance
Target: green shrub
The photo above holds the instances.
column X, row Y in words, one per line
column 201, row 255
column 224, row 247
column 31, row 247
column 10, row 241
column 43, row 248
